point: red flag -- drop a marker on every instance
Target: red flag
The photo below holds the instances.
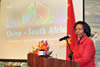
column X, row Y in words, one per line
column 70, row 26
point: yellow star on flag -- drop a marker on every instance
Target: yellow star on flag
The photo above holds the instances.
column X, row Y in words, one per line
column 68, row 5
column 69, row 40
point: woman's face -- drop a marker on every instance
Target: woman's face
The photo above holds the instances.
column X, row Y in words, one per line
column 79, row 31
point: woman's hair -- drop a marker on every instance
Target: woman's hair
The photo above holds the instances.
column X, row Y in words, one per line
column 86, row 27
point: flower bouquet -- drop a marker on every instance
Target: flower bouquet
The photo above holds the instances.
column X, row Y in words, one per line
column 42, row 49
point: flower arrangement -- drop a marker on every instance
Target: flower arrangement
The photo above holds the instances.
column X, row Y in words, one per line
column 42, row 49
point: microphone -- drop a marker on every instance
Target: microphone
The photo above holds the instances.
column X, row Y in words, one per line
column 64, row 38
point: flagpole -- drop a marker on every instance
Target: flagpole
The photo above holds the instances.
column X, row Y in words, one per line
column 83, row 10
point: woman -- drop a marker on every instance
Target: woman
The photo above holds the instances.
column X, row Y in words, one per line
column 84, row 51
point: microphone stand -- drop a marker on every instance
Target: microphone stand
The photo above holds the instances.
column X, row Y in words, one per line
column 71, row 53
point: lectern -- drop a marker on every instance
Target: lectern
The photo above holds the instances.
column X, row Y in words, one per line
column 37, row 61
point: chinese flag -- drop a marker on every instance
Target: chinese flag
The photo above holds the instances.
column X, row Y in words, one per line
column 70, row 27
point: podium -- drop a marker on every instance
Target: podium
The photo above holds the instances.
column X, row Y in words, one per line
column 37, row 61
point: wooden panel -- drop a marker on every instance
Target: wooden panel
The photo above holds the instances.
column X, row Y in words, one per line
column 37, row 61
